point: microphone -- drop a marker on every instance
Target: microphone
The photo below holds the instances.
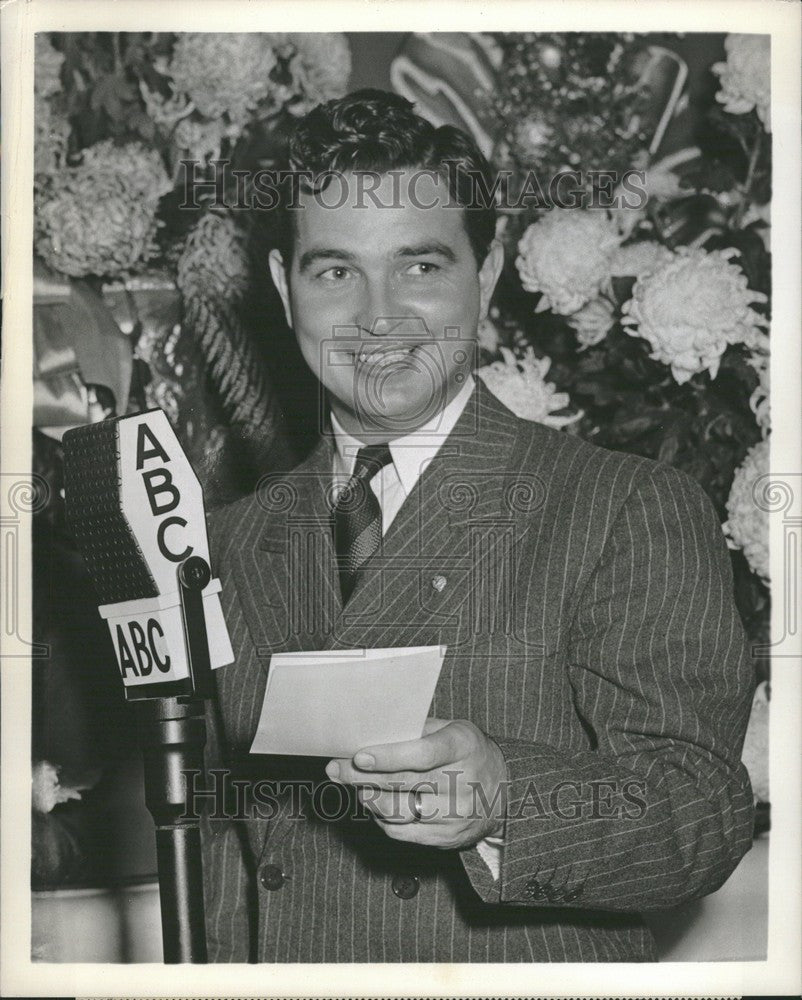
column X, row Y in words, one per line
column 135, row 507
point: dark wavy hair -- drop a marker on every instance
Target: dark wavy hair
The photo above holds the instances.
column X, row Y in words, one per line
column 374, row 130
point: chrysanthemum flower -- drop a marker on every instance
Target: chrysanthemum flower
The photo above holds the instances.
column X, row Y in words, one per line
column 223, row 72
column 746, row 76
column 520, row 383
column 100, row 217
column 691, row 308
column 566, row 255
column 321, row 65
column 759, row 401
column 639, row 259
column 747, row 525
column 593, row 322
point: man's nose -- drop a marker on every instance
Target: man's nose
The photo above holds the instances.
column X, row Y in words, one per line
column 377, row 312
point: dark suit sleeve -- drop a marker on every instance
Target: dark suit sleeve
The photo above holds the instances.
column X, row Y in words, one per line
column 226, row 885
column 660, row 809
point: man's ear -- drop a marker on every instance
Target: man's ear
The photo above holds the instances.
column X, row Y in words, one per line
column 279, row 276
column 489, row 274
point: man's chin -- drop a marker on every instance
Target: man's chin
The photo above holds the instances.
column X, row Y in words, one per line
column 398, row 424
column 392, row 421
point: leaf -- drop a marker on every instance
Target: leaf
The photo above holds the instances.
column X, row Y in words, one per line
column 110, row 94
column 622, row 289
column 753, row 259
column 639, row 423
column 143, row 125
column 599, row 392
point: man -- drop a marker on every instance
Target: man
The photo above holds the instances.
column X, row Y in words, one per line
column 581, row 762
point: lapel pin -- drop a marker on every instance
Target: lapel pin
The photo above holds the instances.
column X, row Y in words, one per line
column 439, row 583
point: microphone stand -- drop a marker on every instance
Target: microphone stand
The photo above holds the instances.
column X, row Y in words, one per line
column 172, row 733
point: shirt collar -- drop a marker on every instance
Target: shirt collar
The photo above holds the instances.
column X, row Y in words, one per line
column 412, row 452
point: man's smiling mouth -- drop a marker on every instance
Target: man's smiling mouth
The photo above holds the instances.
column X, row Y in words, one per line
column 384, row 356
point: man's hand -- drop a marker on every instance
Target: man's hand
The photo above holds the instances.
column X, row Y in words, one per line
column 455, row 774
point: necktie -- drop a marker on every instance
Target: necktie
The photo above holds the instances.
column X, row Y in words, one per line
column 358, row 517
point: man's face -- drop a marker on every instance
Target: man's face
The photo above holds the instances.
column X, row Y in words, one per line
column 385, row 299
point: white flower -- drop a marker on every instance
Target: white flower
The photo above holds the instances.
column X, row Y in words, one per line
column 165, row 111
column 662, row 184
column 566, row 255
column 658, row 182
column 746, row 76
column 140, row 169
column 759, row 401
column 321, row 66
column 488, row 335
column 100, row 217
column 196, row 139
column 639, row 259
column 235, row 75
column 46, row 792
column 520, row 384
column 223, row 72
column 755, row 754
column 760, row 214
column 691, row 308
column 747, row 525
column 593, row 321
column 203, row 140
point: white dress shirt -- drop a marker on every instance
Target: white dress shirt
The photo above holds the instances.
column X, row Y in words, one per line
column 410, row 455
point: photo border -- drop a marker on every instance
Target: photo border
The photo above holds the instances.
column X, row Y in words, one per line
column 780, row 972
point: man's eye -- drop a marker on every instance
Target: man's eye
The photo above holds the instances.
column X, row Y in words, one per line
column 334, row 273
column 423, row 267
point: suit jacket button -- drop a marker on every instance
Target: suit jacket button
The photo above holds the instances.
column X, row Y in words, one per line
column 406, row 886
column 271, row 877
column 535, row 890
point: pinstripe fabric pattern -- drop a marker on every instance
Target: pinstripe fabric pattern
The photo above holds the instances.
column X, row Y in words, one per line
column 591, row 632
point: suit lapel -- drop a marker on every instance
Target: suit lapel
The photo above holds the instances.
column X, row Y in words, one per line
column 443, row 543
column 446, row 539
column 289, row 593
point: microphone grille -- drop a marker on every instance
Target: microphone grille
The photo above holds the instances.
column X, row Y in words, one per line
column 112, row 555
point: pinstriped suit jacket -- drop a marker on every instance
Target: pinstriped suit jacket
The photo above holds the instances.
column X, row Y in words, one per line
column 591, row 632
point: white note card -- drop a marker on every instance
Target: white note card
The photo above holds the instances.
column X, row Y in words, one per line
column 333, row 703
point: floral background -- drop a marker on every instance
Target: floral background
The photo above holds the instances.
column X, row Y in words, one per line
column 644, row 329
